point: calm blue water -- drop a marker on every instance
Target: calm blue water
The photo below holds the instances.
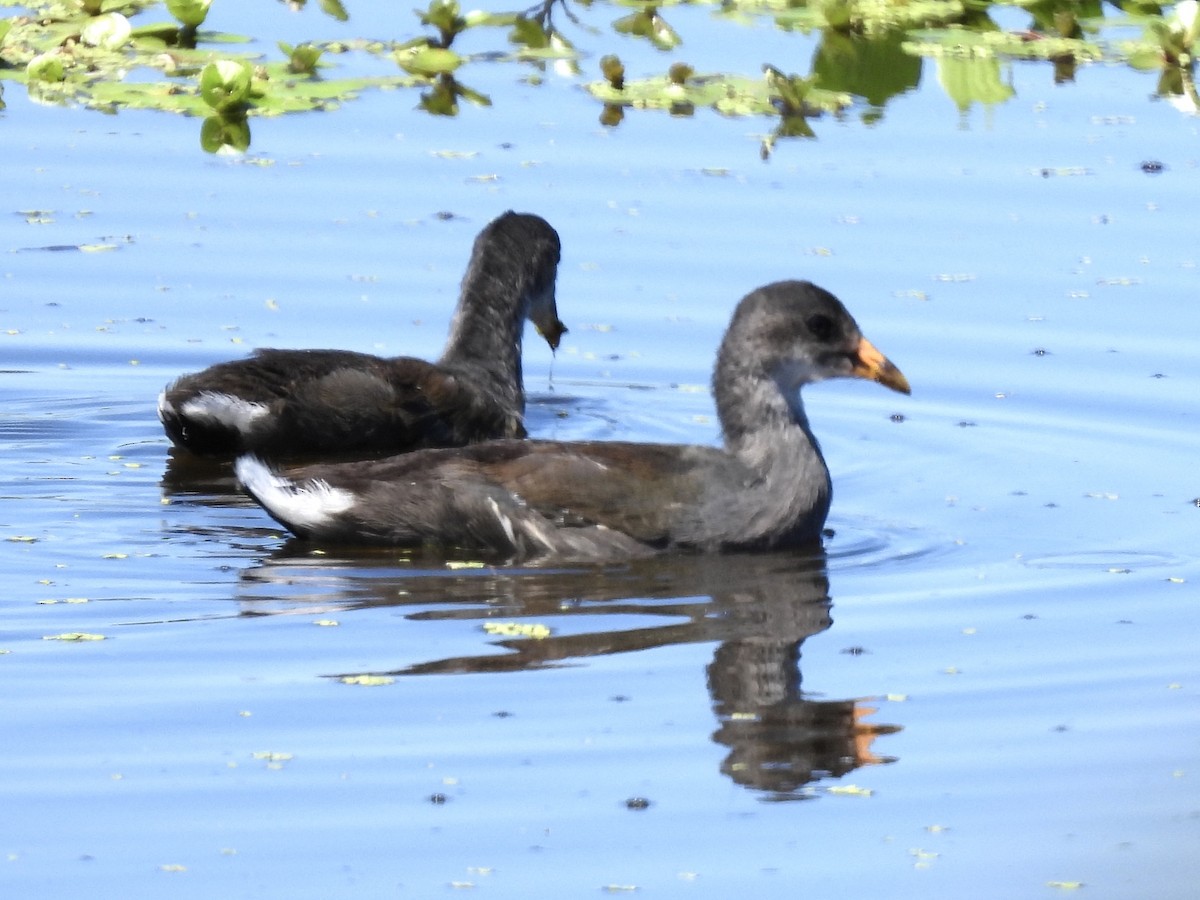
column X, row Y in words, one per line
column 990, row 686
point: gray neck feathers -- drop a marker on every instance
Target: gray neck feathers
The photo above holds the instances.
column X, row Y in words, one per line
column 486, row 331
column 767, row 431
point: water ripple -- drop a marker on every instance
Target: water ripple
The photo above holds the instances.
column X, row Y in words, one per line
column 1104, row 560
column 866, row 544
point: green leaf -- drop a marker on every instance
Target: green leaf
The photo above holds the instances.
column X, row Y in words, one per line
column 648, row 24
column 529, row 33
column 302, row 59
column 1146, row 58
column 46, row 67
column 973, row 80
column 444, row 16
column 613, row 71
column 474, row 96
column 107, row 32
column 837, row 13
column 730, row 95
column 225, row 84
column 962, row 43
column 442, row 98
column 428, row 61
column 791, row 91
column 219, row 132
column 162, row 96
column 190, row 13
column 335, row 10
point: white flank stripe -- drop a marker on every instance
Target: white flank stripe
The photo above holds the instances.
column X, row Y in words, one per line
column 303, row 504
column 164, row 407
column 224, row 409
column 505, row 521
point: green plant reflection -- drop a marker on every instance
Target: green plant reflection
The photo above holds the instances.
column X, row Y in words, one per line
column 111, row 55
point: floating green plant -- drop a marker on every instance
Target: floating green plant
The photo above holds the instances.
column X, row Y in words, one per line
column 1168, row 45
column 681, row 90
column 110, row 31
column 225, row 85
column 302, row 59
column 649, row 24
column 112, row 55
column 962, row 43
column 970, row 80
column 191, row 13
column 857, row 16
column 427, row 60
column 1167, row 41
column 441, row 99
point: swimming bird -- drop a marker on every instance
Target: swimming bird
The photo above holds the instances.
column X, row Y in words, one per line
column 542, row 501
column 305, row 402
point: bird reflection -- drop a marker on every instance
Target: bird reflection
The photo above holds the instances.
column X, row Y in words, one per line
column 778, row 740
column 756, row 609
column 195, row 478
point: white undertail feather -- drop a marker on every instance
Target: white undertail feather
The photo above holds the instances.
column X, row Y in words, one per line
column 221, row 409
column 529, row 526
column 302, row 504
column 505, row 521
column 540, row 534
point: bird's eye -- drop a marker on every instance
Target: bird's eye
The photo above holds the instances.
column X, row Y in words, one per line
column 821, row 326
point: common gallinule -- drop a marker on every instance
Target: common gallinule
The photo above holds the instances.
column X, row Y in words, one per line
column 304, row 402
column 549, row 500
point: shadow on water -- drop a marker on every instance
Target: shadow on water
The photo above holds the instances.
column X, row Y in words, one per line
column 756, row 610
column 198, row 479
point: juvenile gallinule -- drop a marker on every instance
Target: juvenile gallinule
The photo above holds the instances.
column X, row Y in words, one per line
column 550, row 500
column 304, row 402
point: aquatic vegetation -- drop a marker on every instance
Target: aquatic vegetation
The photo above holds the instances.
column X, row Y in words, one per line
column 1168, row 45
column 111, row 55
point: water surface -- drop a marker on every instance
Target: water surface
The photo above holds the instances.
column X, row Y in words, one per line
column 985, row 686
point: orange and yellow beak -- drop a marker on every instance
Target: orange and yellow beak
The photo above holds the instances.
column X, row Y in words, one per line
column 869, row 363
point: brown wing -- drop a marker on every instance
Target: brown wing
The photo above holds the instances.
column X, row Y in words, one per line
column 643, row 490
column 449, row 409
column 321, row 401
column 650, row 492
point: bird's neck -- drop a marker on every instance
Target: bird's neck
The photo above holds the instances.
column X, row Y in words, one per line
column 768, row 432
column 486, row 331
